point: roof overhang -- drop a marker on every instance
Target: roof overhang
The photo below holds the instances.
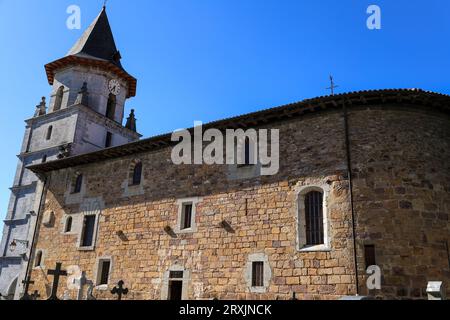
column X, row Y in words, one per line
column 52, row 67
column 402, row 97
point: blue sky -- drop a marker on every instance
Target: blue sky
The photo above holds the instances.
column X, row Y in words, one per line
column 211, row 59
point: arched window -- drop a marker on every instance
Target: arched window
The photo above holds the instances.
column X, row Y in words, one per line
column 111, row 107
column 49, row 133
column 78, row 183
column 68, row 226
column 314, row 218
column 58, row 98
column 38, row 259
column 136, row 174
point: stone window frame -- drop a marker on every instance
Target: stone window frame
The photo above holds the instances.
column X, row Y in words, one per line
column 94, row 235
column 73, row 198
column 267, row 272
column 127, row 186
column 131, row 169
column 42, row 264
column 180, row 203
column 97, row 272
column 300, row 217
column 64, row 225
column 185, row 280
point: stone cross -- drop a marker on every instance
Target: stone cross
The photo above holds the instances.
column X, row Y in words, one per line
column 81, row 282
column 89, row 295
column 27, row 281
column 119, row 290
column 56, row 273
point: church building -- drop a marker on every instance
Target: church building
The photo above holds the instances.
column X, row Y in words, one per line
column 363, row 181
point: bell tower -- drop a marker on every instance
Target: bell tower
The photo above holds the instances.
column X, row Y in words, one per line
column 85, row 113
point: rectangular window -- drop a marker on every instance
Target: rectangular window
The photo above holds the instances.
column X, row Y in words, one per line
column 88, row 231
column 186, row 218
column 257, row 274
column 104, row 266
column 369, row 255
column 108, row 140
column 175, row 285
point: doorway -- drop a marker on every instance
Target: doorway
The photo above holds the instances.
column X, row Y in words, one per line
column 175, row 289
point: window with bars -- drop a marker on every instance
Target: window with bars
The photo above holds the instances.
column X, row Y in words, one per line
column 257, row 274
column 314, row 218
column 104, row 266
column 369, row 255
column 186, row 217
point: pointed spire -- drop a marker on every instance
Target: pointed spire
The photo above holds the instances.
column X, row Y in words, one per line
column 82, row 97
column 98, row 41
column 96, row 48
column 131, row 121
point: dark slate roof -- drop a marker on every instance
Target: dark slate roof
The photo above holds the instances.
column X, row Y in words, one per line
column 426, row 100
column 97, row 41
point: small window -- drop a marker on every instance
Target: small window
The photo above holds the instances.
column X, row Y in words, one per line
column 247, row 151
column 175, row 285
column 44, row 158
column 314, row 218
column 111, row 107
column 38, row 259
column 186, row 218
column 257, row 274
column 87, row 235
column 68, row 226
column 58, row 98
column 104, row 266
column 78, row 184
column 49, row 133
column 108, row 139
column 136, row 174
column 369, row 255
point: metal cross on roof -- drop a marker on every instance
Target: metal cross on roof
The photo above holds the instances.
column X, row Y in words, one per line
column 56, row 273
column 333, row 86
column 119, row 290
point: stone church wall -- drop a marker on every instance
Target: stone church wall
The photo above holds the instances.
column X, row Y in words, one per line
column 401, row 195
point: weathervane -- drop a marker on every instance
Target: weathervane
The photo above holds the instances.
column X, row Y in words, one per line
column 333, row 86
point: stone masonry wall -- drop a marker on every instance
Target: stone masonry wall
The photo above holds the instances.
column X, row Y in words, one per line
column 391, row 149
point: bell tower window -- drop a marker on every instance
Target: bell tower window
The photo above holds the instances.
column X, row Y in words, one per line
column 111, row 107
column 58, row 98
